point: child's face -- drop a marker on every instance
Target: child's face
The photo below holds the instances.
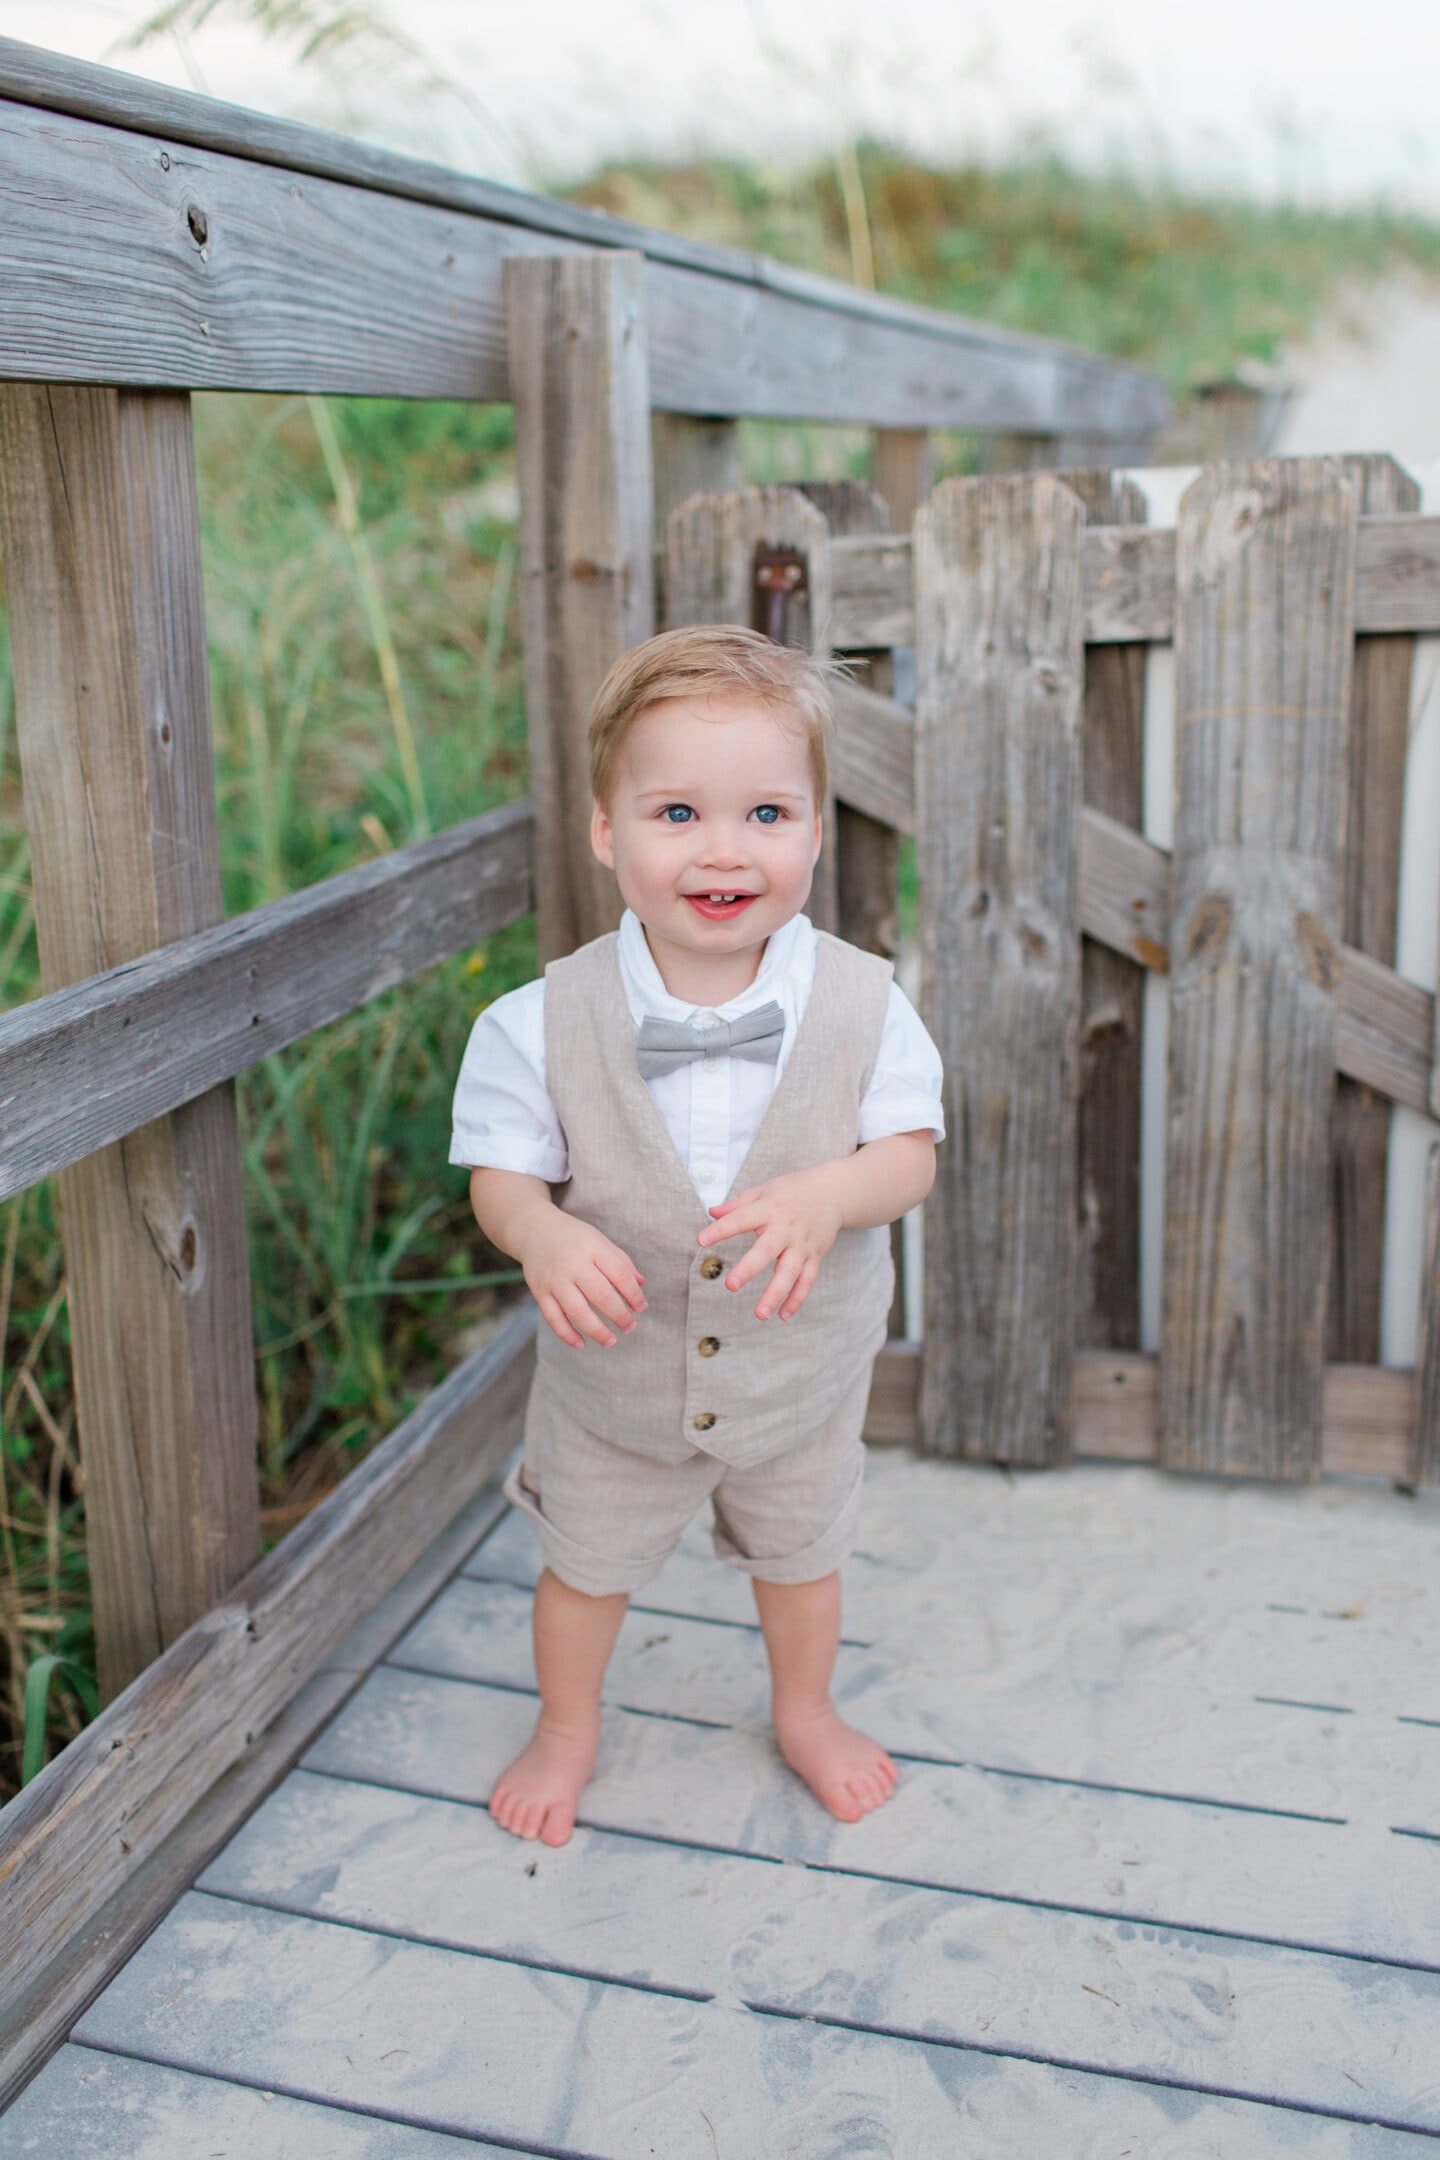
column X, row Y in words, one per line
column 713, row 828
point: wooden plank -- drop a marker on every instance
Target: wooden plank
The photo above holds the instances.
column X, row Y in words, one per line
column 88, row 1064
column 102, row 559
column 1368, row 1429
column 710, row 545
column 1000, row 668
column 1112, row 985
column 75, row 2105
column 1130, row 584
column 867, row 850
column 579, row 2065
column 1424, row 1464
column 1265, row 636
column 582, row 452
column 337, row 267
column 951, row 1827
column 872, row 758
column 83, row 1829
column 691, row 457
column 34, row 2024
column 670, row 1917
column 1379, row 740
column 902, row 465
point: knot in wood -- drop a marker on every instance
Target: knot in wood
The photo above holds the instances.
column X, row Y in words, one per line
column 198, row 223
column 1209, row 927
column 1318, row 956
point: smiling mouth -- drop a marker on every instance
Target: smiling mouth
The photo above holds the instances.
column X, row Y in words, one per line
column 720, row 906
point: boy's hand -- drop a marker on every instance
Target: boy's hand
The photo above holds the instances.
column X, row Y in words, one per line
column 796, row 1220
column 580, row 1281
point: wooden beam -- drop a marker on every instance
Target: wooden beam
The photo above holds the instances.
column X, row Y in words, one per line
column 1112, row 985
column 81, row 1831
column 325, row 265
column 691, row 457
column 1424, row 1465
column 582, row 449
column 1000, row 673
column 1369, row 907
column 1369, row 1413
column 710, row 545
column 1265, row 636
column 88, row 1064
column 1130, row 584
column 102, row 561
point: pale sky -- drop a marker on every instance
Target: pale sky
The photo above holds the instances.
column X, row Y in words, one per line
column 1322, row 99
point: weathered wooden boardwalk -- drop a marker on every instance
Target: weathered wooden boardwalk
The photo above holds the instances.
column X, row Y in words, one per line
column 1162, row 1875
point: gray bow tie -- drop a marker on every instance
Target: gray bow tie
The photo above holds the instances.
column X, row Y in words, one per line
column 665, row 1045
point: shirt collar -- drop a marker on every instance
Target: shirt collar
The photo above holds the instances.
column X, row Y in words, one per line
column 646, row 993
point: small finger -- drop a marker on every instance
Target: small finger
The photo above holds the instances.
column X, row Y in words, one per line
column 607, row 1301
column 762, row 1254
column 578, row 1313
column 617, row 1270
column 553, row 1314
column 801, row 1291
column 787, row 1273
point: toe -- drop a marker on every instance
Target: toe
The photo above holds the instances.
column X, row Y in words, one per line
column 528, row 1820
column 558, row 1824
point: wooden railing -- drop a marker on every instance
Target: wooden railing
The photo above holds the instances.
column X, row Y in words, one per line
column 153, row 244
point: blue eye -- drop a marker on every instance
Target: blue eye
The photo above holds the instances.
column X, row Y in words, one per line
column 677, row 813
column 766, row 813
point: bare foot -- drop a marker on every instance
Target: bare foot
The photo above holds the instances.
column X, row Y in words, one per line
column 536, row 1797
column 848, row 1773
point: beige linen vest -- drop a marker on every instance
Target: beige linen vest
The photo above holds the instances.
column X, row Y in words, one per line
column 699, row 1371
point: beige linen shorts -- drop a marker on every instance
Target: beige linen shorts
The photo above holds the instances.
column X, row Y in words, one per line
column 609, row 1519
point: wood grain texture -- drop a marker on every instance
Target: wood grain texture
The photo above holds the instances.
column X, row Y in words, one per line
column 1112, row 985
column 1374, row 809
column 337, row 267
column 1130, row 584
column 88, row 1064
column 902, row 465
column 1424, row 1464
column 582, row 449
column 1368, row 1430
column 710, row 545
column 691, row 457
column 34, row 2024
column 102, row 560
column 73, row 1839
column 1265, row 635
column 1000, row 670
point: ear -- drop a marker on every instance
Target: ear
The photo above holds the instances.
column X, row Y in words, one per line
column 602, row 838
column 819, row 838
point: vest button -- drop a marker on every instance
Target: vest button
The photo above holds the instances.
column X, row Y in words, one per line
column 708, row 1345
column 704, row 1421
column 711, row 1266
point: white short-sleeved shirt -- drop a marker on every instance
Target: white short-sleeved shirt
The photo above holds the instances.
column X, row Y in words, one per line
column 504, row 1118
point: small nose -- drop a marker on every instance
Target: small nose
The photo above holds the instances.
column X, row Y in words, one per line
column 725, row 847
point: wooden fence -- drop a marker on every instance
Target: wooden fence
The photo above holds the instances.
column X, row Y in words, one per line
column 151, row 245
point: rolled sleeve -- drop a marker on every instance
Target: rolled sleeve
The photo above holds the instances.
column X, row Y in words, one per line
column 904, row 1090
column 503, row 1117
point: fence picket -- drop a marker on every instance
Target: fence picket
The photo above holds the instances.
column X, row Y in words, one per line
column 1000, row 669
column 102, row 563
column 1379, row 739
column 710, row 545
column 1264, row 641
column 1112, row 992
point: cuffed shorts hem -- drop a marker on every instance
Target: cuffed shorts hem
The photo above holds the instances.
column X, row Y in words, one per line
column 790, row 1518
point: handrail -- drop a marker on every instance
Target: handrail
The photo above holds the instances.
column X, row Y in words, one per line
column 91, row 1062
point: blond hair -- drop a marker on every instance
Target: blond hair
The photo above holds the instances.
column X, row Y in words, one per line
column 712, row 660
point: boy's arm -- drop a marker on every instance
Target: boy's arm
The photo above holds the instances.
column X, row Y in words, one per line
column 797, row 1218
column 576, row 1276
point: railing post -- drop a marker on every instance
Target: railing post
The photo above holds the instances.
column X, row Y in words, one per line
column 902, row 464
column 580, row 380
column 1264, row 638
column 102, row 564
column 710, row 545
column 691, row 457
column 1000, row 666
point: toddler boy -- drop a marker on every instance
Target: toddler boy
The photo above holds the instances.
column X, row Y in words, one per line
column 714, row 1102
